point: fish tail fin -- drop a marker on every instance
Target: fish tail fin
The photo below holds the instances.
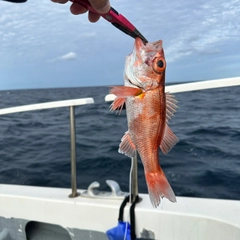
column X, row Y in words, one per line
column 159, row 187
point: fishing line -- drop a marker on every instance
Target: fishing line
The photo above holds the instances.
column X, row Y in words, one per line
column 130, row 181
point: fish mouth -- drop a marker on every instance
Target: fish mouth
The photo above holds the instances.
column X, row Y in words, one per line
column 139, row 47
column 147, row 51
column 138, row 44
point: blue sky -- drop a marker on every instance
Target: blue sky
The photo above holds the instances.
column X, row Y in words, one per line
column 42, row 45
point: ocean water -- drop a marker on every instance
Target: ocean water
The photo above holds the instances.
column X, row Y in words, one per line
column 35, row 146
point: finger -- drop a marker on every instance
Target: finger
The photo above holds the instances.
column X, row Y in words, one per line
column 102, row 6
column 77, row 8
column 59, row 1
column 93, row 17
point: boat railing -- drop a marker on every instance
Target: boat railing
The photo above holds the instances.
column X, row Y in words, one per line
column 57, row 104
column 194, row 86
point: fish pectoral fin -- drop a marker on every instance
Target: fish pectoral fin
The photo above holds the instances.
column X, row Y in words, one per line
column 117, row 104
column 169, row 140
column 171, row 105
column 126, row 146
column 124, row 91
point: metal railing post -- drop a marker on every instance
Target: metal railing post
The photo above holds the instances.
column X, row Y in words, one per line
column 73, row 153
column 134, row 178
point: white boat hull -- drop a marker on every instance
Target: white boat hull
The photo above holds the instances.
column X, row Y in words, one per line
column 50, row 213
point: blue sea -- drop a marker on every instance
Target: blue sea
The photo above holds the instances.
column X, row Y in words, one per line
column 35, row 146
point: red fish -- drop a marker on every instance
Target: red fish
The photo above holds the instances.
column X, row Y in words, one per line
column 149, row 110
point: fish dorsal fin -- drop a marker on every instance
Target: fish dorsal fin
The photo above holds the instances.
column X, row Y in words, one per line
column 169, row 140
column 126, row 146
column 171, row 105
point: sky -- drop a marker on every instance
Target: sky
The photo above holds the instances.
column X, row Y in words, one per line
column 42, row 45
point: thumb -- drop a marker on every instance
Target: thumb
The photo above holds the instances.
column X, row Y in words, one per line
column 101, row 6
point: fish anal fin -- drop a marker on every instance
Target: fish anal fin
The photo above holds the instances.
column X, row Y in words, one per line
column 158, row 187
column 171, row 105
column 126, row 146
column 169, row 140
column 125, row 91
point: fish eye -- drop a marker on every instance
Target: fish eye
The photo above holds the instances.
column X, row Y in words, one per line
column 159, row 65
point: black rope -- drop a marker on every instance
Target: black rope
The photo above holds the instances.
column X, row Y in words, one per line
column 121, row 210
column 132, row 218
column 132, row 214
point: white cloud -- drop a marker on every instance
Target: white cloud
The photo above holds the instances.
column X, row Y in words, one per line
column 68, row 56
column 207, row 28
column 65, row 57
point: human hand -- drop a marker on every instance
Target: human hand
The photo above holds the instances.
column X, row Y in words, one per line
column 101, row 6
